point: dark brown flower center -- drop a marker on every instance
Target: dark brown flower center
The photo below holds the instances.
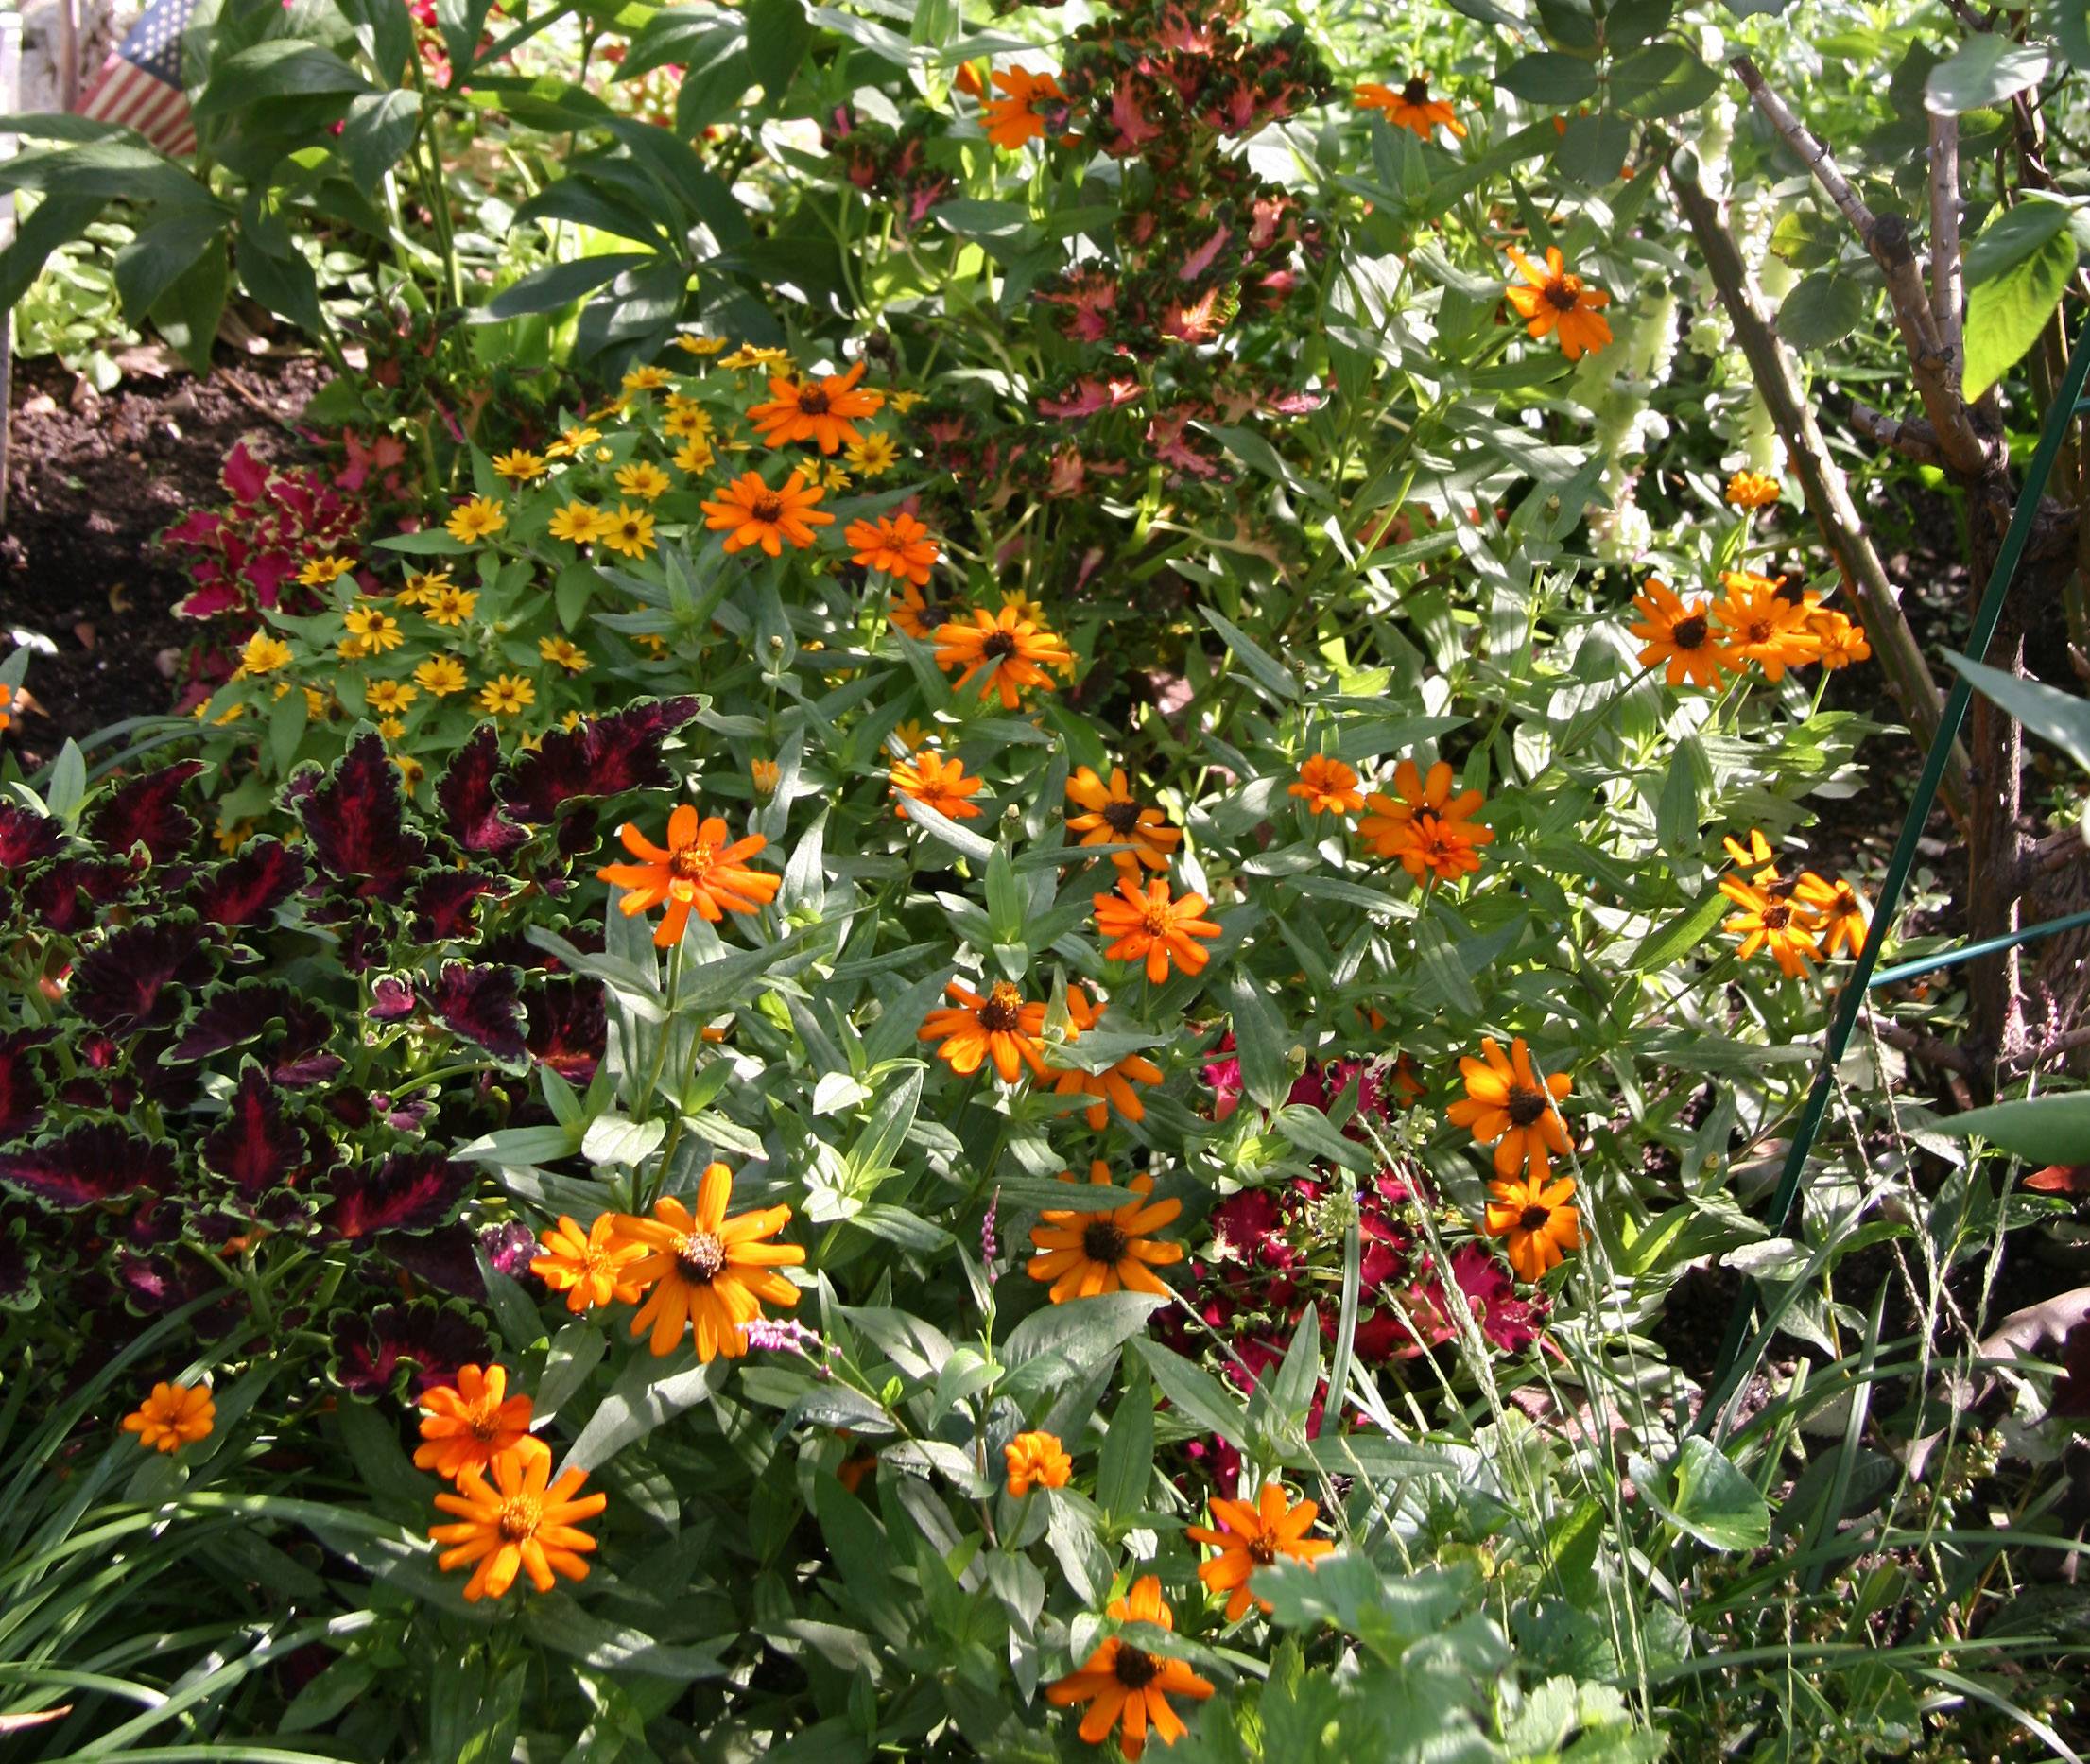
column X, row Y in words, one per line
column 520, row 1518
column 1778, row 916
column 1525, row 1105
column 1416, row 91
column 812, row 400
column 1135, row 1667
column 1690, row 633
column 700, row 1258
column 1120, row 817
column 1001, row 643
column 1002, row 1014
column 1757, row 630
column 1563, row 292
column 1534, row 1218
column 690, row 863
column 768, row 505
column 1103, row 1241
column 1262, row 1548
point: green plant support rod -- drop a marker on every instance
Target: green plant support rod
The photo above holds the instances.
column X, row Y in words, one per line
column 1727, row 1375
column 1974, row 952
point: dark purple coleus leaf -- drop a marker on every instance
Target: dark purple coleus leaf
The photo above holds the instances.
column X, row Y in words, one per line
column 470, row 809
column 143, row 811
column 441, row 903
column 602, row 756
column 139, row 978
column 259, row 1146
column 406, row 1191
column 154, row 1222
column 357, row 822
column 510, row 1247
column 22, row 1094
column 401, row 1350
column 18, row 1262
column 248, row 888
column 165, row 1282
column 27, row 838
column 569, row 1028
column 88, row 1165
column 292, row 1030
column 162, row 1084
column 69, row 896
column 483, row 1005
column 446, row 1258
column 392, row 998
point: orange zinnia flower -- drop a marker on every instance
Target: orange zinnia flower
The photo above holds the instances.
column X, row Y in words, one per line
column 698, row 869
column 1149, row 924
column 1113, row 816
column 1532, row 1217
column 1841, row 642
column 914, row 613
column 1411, row 107
column 1555, row 301
column 1036, row 1461
column 1426, row 827
column 1113, row 1086
column 1001, row 1027
column 898, row 546
column 1768, row 920
column 1327, row 787
column 817, row 410
column 1016, row 650
column 467, row 1422
column 1762, row 624
column 1838, row 912
column 1014, row 119
column 941, row 783
column 1506, row 1102
column 174, row 1416
column 705, row 1270
column 1126, row 1685
column 748, row 512
column 1679, row 637
column 589, row 1267
column 1751, row 490
column 1250, row 1535
column 517, row 1525
column 1083, row 1254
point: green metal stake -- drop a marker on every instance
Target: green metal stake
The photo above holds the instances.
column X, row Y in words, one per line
column 1727, row 1375
column 1974, row 952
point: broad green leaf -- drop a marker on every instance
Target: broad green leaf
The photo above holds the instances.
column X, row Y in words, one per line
column 2013, row 234
column 1825, row 308
column 282, row 68
column 1682, row 934
column 1549, row 77
column 1259, row 1040
column 1127, row 1461
column 1713, row 1501
column 1080, row 1331
column 2007, row 312
column 557, row 284
column 1984, row 70
column 1662, row 79
column 1272, row 674
column 2058, row 716
column 643, row 1397
column 2040, row 1129
column 163, row 253
column 1194, row 1393
column 377, row 130
column 2069, row 23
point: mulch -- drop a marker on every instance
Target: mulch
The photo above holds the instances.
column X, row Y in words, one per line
column 92, row 482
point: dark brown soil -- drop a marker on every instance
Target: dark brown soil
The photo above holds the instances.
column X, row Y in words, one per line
column 90, row 484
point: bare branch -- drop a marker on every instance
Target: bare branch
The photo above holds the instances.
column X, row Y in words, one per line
column 1946, row 290
column 2057, row 850
column 1813, row 154
column 1928, row 1048
column 1913, row 439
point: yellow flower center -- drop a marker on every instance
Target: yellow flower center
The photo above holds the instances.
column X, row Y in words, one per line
column 690, row 863
column 521, row 1515
column 1002, row 1013
column 700, row 1258
column 1157, row 917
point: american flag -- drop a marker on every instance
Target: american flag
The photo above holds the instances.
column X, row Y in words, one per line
column 140, row 85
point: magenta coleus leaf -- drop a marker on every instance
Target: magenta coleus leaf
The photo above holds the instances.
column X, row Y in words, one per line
column 143, row 811
column 471, row 811
column 441, row 903
column 392, row 1000
column 569, row 1028
column 139, row 978
column 603, row 756
column 406, row 1191
column 401, row 1350
column 356, row 819
column 246, row 890
column 27, row 838
column 483, row 1005
column 258, row 1146
column 88, row 1165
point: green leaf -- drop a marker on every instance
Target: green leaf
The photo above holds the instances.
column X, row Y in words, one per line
column 282, row 68
column 1983, row 70
column 2007, row 312
column 639, row 1401
column 1126, row 1465
column 1682, row 934
column 60, row 220
column 1593, row 150
column 778, row 35
column 1081, row 1331
column 1197, row 1395
column 162, row 254
column 1549, row 77
column 2061, row 717
column 2015, row 234
column 1259, row 1040
column 557, row 284
column 2040, row 1129
column 1273, row 675
column 1662, row 79
column 2069, row 23
column 283, row 285
column 1823, row 309
column 377, row 130
column 1713, row 1501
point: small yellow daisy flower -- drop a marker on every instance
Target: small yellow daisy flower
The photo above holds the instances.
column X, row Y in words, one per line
column 315, row 704
column 572, row 441
column 318, row 572
column 700, row 345
column 390, row 728
column 647, row 482
column 904, row 402
column 411, row 770
column 645, row 379
column 874, row 454
column 696, row 456
column 652, row 643
column 506, row 694
column 912, row 735
column 231, row 835
column 441, row 675
column 372, row 632
column 752, row 355
column 480, row 518
column 520, row 466
column 834, row 478
column 687, row 421
column 565, row 653
column 388, row 698
column 450, row 606
column 422, row 587
column 263, row 654
column 629, row 531
column 577, row 523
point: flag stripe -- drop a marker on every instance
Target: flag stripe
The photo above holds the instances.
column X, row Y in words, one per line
column 140, row 85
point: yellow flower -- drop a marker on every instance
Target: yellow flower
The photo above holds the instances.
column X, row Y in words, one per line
column 834, row 478
column 577, row 523
column 629, row 531
column 231, row 835
column 390, row 728
column 450, row 606
column 479, row 518
column 1751, row 490
column 700, row 345
column 749, row 356
column 687, row 419
column 316, row 706
column 506, row 694
column 652, row 643
column 441, row 675
column 318, row 572
column 647, row 482
column 411, row 770
column 565, row 653
column 520, row 466
column 912, row 736
column 645, row 379
column 419, row 588
column 763, row 774
column 263, row 654
column 388, row 698
column 370, row 630
column 695, row 455
column 904, row 402
column 572, row 441
column 875, row 453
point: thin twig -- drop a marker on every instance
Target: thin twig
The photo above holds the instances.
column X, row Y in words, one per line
column 1945, row 291
column 1928, row 1048
column 1913, row 438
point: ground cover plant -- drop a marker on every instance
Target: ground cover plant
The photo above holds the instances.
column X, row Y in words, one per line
column 1047, row 881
